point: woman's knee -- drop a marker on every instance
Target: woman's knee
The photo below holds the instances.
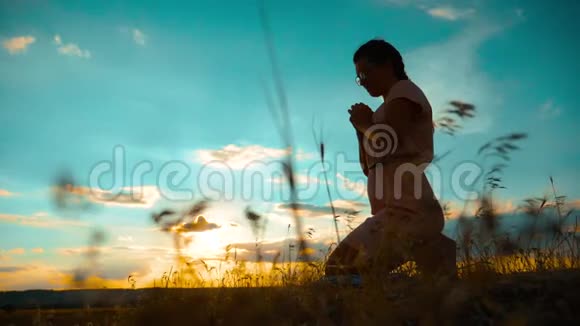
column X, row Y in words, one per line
column 342, row 253
column 342, row 260
column 437, row 255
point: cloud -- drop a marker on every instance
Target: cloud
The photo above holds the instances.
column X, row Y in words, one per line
column 145, row 197
column 74, row 50
column 111, row 270
column 16, row 251
column 434, row 9
column 298, row 179
column 240, row 157
column 86, row 251
column 37, row 250
column 24, row 277
column 574, row 204
column 199, row 225
column 548, row 110
column 501, row 207
column 9, row 217
column 145, row 249
column 137, row 197
column 122, row 268
column 398, row 2
column 449, row 71
column 314, row 211
column 41, row 220
column 116, row 262
column 349, row 204
column 280, row 249
column 357, row 187
column 12, row 269
column 5, row 193
column 18, row 44
column 139, row 37
column 125, row 238
column 40, row 276
column 265, row 245
column 70, row 49
column 450, row 13
column 300, row 155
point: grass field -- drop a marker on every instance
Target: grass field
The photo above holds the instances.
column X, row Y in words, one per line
column 537, row 298
column 528, row 287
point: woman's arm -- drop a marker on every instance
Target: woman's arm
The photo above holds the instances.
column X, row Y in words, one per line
column 361, row 154
column 361, row 115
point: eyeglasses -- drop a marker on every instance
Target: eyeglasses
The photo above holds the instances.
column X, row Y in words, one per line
column 363, row 76
column 360, row 78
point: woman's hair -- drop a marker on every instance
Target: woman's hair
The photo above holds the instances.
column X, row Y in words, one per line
column 379, row 51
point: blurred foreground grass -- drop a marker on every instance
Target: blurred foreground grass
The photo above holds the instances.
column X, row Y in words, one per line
column 530, row 287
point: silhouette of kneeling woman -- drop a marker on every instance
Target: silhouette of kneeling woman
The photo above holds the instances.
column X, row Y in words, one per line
column 395, row 147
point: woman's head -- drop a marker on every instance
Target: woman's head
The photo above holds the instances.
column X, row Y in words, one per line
column 378, row 66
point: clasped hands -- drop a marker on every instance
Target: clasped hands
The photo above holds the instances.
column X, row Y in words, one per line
column 361, row 116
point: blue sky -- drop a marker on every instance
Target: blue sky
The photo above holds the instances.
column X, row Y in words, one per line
column 184, row 82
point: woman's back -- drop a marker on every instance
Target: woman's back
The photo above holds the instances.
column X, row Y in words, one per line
column 416, row 143
column 398, row 182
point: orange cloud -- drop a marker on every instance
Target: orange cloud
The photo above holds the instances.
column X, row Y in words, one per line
column 454, row 209
column 349, row 204
column 41, row 220
column 18, row 44
column 25, row 277
column 199, row 225
column 37, row 250
column 110, row 269
column 91, row 282
column 574, row 204
column 4, row 257
column 5, row 193
column 16, row 251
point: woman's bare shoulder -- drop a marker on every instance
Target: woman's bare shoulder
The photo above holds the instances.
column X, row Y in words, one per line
column 407, row 89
